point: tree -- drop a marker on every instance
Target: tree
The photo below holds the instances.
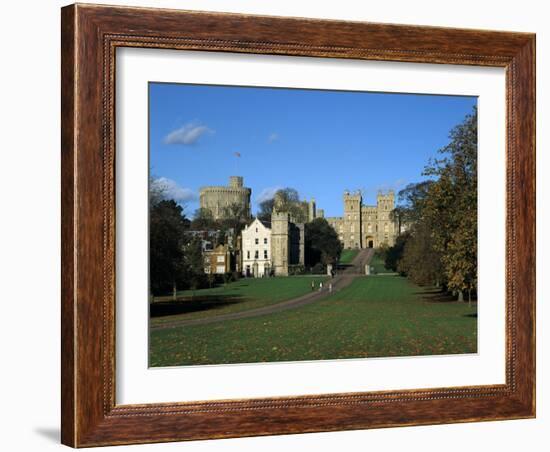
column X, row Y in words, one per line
column 452, row 206
column 194, row 261
column 167, row 226
column 203, row 220
column 235, row 218
column 440, row 245
column 420, row 261
column 394, row 253
column 266, row 208
column 157, row 192
column 321, row 243
column 285, row 200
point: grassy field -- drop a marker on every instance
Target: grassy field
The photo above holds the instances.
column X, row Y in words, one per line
column 238, row 296
column 378, row 265
column 347, row 256
column 373, row 317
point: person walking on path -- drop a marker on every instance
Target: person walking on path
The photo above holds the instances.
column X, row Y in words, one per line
column 320, row 286
column 330, row 287
column 312, row 285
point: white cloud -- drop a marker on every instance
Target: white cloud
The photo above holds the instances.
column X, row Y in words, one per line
column 267, row 193
column 273, row 137
column 187, row 134
column 171, row 190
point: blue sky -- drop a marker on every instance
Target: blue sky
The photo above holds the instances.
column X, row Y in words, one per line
column 318, row 142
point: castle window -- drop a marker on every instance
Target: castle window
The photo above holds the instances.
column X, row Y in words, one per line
column 248, row 254
column 256, row 240
column 265, row 254
column 265, row 240
column 352, row 229
column 256, row 254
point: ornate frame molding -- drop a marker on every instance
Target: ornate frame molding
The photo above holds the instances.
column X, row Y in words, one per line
column 90, row 37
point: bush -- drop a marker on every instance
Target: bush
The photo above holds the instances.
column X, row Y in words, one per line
column 318, row 269
column 294, row 270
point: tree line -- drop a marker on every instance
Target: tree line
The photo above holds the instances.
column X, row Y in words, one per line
column 437, row 219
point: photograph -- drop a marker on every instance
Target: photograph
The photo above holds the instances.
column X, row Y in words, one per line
column 292, row 224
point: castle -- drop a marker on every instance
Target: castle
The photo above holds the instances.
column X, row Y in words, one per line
column 273, row 248
column 223, row 202
column 266, row 248
column 366, row 226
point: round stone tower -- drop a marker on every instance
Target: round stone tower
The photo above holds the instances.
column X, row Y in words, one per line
column 236, row 181
column 224, row 202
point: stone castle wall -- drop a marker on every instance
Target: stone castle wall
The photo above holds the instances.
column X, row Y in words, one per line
column 218, row 199
column 366, row 226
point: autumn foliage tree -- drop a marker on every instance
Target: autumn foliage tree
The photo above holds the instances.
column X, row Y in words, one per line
column 440, row 246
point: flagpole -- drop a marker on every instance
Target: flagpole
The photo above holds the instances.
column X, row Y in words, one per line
column 237, row 155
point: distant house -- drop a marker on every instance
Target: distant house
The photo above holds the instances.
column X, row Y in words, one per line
column 218, row 260
column 256, row 249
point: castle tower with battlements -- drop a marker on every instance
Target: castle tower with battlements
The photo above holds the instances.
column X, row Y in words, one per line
column 366, row 226
column 224, row 202
column 287, row 240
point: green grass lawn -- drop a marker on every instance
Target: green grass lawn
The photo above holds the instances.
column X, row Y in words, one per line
column 378, row 265
column 248, row 293
column 373, row 317
column 347, row 256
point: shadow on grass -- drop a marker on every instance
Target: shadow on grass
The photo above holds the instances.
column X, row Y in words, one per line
column 436, row 296
column 472, row 315
column 195, row 304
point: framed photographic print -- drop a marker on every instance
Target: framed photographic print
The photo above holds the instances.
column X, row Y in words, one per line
column 281, row 225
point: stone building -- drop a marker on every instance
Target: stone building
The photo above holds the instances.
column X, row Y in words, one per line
column 218, row 261
column 256, row 249
column 287, row 243
column 273, row 248
column 223, row 201
column 366, row 226
column 287, row 238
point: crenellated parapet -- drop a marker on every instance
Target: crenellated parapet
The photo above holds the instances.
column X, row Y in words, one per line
column 364, row 226
column 223, row 201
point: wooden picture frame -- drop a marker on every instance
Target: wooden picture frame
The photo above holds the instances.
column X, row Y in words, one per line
column 90, row 36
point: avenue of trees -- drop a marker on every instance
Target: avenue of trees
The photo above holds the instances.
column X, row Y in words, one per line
column 175, row 252
column 439, row 219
